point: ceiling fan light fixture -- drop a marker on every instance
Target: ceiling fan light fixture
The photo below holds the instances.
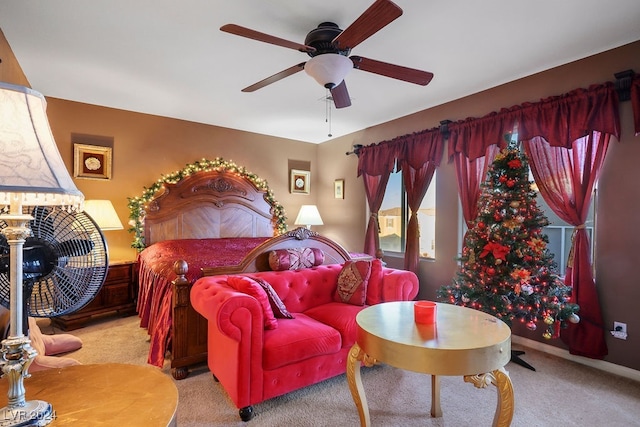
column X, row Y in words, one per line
column 328, row 69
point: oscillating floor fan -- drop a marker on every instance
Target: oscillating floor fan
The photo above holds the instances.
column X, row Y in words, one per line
column 65, row 263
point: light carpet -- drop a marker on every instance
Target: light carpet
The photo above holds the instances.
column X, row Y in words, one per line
column 559, row 393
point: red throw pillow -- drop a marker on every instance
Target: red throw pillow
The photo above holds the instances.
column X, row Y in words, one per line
column 278, row 307
column 250, row 287
column 352, row 282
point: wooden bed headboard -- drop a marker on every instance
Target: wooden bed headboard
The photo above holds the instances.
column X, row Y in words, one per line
column 211, row 204
column 258, row 258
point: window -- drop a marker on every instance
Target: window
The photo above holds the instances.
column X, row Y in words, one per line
column 560, row 232
column 394, row 216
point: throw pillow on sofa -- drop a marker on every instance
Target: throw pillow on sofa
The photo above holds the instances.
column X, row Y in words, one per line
column 250, row 287
column 352, row 282
column 295, row 259
column 278, row 307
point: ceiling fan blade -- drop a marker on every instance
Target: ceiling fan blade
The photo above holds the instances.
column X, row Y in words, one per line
column 272, row 79
column 340, row 95
column 262, row 37
column 377, row 16
column 398, row 72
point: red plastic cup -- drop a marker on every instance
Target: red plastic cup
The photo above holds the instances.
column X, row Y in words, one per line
column 425, row 312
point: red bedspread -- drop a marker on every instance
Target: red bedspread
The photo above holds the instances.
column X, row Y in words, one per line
column 156, row 274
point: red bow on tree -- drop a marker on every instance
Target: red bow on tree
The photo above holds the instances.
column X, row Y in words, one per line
column 496, row 249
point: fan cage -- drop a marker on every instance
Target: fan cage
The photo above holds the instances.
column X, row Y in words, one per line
column 70, row 254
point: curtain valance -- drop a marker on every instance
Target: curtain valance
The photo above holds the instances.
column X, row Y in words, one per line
column 378, row 159
column 563, row 119
column 420, row 148
column 416, row 148
column 560, row 120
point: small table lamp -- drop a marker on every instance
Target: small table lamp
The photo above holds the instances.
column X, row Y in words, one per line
column 104, row 214
column 308, row 215
column 32, row 173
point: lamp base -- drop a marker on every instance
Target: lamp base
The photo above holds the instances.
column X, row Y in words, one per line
column 33, row 413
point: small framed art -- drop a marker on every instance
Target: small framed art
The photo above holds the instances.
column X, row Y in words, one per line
column 300, row 181
column 338, row 188
column 91, row 161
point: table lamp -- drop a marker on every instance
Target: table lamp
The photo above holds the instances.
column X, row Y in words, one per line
column 308, row 215
column 104, row 214
column 32, row 173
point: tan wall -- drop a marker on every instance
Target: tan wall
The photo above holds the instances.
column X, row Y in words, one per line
column 147, row 146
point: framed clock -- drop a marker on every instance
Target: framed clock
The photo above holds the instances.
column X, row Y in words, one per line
column 300, row 181
column 91, row 161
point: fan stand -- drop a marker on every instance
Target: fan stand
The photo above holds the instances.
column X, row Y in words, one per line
column 17, row 353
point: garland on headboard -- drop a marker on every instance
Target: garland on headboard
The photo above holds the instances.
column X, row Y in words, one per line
column 136, row 204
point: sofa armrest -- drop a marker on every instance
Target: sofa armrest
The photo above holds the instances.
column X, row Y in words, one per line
column 232, row 313
column 235, row 336
column 399, row 285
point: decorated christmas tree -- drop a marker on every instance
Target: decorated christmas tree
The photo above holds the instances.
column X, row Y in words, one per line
column 506, row 268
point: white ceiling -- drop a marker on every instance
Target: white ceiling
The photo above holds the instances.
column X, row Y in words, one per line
column 169, row 58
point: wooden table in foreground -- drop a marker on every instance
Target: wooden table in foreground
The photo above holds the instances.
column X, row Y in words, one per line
column 462, row 342
column 110, row 394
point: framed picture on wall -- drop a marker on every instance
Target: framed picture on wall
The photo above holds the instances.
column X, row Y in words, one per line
column 91, row 161
column 300, row 181
column 338, row 188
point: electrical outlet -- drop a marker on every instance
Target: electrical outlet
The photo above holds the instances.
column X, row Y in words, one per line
column 619, row 330
column 620, row 327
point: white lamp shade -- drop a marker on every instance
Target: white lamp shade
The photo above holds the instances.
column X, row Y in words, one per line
column 104, row 214
column 308, row 215
column 32, row 172
column 328, row 69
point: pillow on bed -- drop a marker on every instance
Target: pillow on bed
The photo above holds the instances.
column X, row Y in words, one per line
column 279, row 309
column 250, row 287
column 352, row 282
column 295, row 259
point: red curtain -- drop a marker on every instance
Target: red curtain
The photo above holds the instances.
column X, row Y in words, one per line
column 375, row 164
column 471, row 173
column 635, row 102
column 472, row 137
column 566, row 140
column 420, row 155
column 565, row 178
column 473, row 144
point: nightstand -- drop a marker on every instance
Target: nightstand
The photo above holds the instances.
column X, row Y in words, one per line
column 118, row 295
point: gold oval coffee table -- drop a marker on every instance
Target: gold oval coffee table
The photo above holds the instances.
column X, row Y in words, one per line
column 462, row 342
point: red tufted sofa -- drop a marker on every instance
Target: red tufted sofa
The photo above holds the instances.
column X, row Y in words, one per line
column 254, row 364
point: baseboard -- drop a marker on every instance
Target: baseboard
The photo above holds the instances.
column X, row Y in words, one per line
column 612, row 368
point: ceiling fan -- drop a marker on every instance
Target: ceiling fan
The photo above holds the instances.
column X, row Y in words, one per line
column 329, row 48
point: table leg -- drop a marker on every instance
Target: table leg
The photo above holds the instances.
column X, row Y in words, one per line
column 505, row 407
column 436, row 410
column 356, row 355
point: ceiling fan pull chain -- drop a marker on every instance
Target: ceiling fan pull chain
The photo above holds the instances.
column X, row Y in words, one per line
column 328, row 110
